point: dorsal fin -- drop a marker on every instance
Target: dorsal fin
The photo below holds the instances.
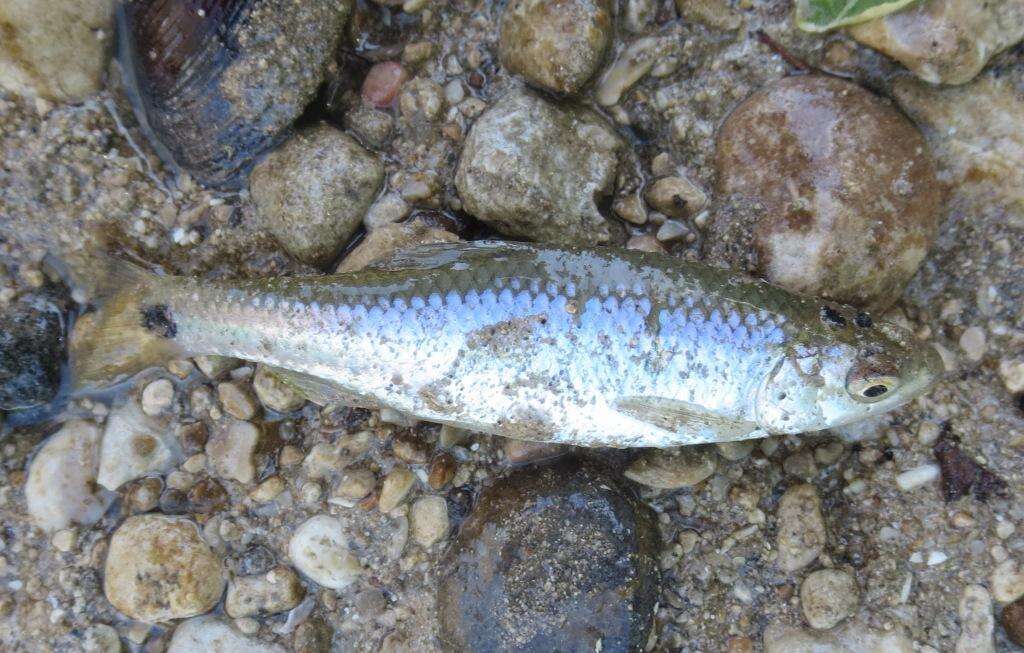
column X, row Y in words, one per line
column 439, row 255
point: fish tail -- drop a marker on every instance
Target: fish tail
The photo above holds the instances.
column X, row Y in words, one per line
column 128, row 329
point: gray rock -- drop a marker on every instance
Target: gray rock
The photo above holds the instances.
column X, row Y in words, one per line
column 278, row 590
column 556, row 558
column 32, row 335
column 851, row 637
column 945, row 41
column 210, row 634
column 312, row 193
column 828, row 596
column 801, row 530
column 976, row 621
column 534, row 170
column 55, row 49
column 555, row 44
column 319, row 549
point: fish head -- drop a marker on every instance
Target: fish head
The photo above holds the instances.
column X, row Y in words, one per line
column 845, row 378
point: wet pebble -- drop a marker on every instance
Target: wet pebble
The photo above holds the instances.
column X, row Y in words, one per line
column 231, row 449
column 326, row 459
column 55, row 49
column 32, row 334
column 312, row 192
column 383, row 82
column 827, row 597
column 159, row 568
column 208, row 634
column 395, row 488
column 157, row 397
column 1012, row 619
column 215, row 367
column 945, row 41
column 353, row 486
column 670, row 469
column 61, row 489
column 782, row 157
column 1011, row 371
column 676, row 197
column 1007, row 581
column 555, row 44
column 278, row 590
column 136, row 444
column 274, row 394
column 237, row 400
column 560, row 557
column 319, row 550
column 428, row 520
column 800, row 538
column 976, row 621
column 533, row 169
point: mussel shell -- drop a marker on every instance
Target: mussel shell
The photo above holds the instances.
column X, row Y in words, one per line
column 216, row 83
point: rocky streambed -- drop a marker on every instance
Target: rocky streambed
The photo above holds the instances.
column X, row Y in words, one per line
column 210, row 505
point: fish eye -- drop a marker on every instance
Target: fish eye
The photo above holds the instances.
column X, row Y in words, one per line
column 871, row 380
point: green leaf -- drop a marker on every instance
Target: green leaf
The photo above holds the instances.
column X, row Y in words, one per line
column 823, row 15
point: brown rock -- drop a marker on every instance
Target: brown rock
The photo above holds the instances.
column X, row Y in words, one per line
column 1013, row 621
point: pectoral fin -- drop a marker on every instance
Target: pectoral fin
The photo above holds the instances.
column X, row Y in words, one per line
column 686, row 419
column 320, row 391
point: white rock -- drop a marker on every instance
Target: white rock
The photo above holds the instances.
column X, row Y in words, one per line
column 1007, row 581
column 1011, row 371
column 211, row 635
column 428, row 520
column 801, row 530
column 157, row 397
column 395, row 488
column 972, row 342
column 236, row 399
column 134, row 445
column 326, row 458
column 61, row 488
column 274, row 394
column 319, row 550
column 918, row 476
column 828, row 596
column 851, row 637
column 55, row 49
column 160, row 568
column 670, row 469
column 215, row 366
column 976, row 622
column 231, row 449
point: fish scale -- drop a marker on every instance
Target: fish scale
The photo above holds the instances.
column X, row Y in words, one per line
column 592, row 347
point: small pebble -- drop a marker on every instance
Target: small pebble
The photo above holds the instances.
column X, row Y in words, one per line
column 319, row 550
column 212, row 635
column 801, row 528
column 1013, row 621
column 278, row 590
column 157, row 397
column 972, row 342
column 237, row 400
column 396, row 486
column 231, row 450
column 268, row 490
column 828, row 596
column 1007, row 581
column 274, row 394
column 428, row 520
column 670, row 469
column 918, row 476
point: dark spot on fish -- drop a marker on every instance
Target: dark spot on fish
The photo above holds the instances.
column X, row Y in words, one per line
column 960, row 473
column 830, row 316
column 863, row 320
column 158, row 319
column 875, row 391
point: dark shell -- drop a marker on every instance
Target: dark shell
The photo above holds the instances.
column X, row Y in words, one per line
column 216, row 83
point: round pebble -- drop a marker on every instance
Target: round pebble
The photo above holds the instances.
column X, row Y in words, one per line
column 428, row 520
column 828, row 596
column 157, row 397
column 319, row 550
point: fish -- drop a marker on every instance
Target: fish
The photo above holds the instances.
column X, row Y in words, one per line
column 596, row 347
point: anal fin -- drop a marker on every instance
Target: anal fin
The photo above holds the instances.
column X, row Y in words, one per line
column 321, row 392
column 686, row 418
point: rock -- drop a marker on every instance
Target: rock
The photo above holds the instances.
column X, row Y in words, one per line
column 388, row 209
column 312, row 192
column 216, row 366
column 828, row 596
column 559, row 557
column 55, row 49
column 319, row 550
column 851, row 637
column 1007, row 581
column 676, row 197
column 976, row 622
column 395, row 488
column 670, row 469
column 830, row 191
column 420, row 103
column 32, row 334
column 555, row 44
column 428, row 520
column 976, row 133
column 918, row 476
column 160, row 568
column 207, row 496
column 211, row 635
column 801, row 528
column 312, row 636
column 533, row 169
column 61, row 489
column 631, row 65
column 382, row 83
column 268, row 490
column 717, row 14
column 274, row 394
column 1011, row 371
column 157, row 397
column 1013, row 621
column 372, row 127
column 134, row 445
column 353, row 486
column 388, row 239
column 737, row 450
column 972, row 342
column 326, row 459
column 231, row 450
column 237, row 400
column 278, row 590
column 945, row 41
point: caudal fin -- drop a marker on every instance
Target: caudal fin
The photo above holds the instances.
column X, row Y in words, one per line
column 129, row 328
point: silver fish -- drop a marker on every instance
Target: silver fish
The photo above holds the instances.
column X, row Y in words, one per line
column 600, row 347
